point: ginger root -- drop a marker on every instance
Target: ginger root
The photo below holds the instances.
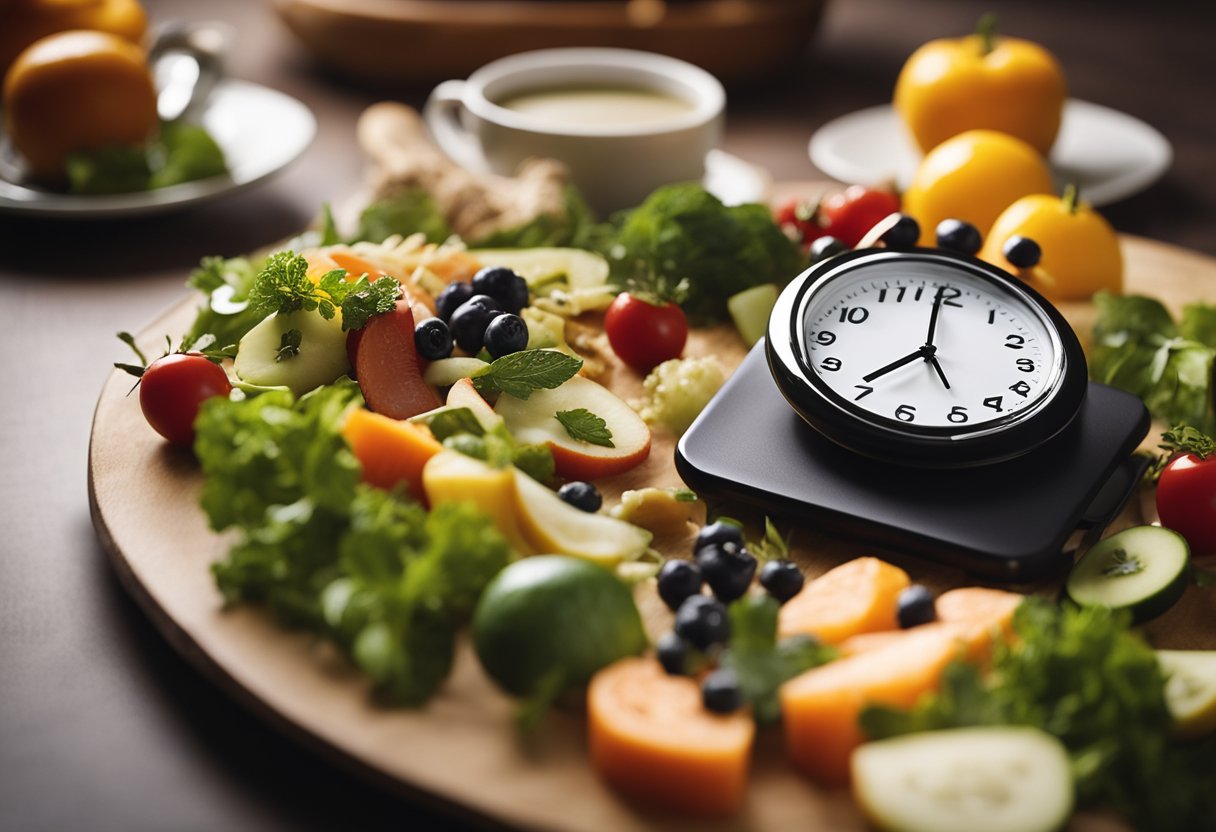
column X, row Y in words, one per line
column 396, row 141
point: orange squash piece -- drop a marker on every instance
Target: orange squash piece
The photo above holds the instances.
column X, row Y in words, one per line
column 392, row 453
column 820, row 708
column 652, row 740
column 858, row 596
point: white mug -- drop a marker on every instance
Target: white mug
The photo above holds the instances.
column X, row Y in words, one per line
column 614, row 165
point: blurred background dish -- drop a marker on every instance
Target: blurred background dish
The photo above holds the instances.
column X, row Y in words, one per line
column 260, row 130
column 430, row 40
column 1110, row 155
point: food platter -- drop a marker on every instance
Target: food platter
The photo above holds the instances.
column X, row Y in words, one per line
column 461, row 750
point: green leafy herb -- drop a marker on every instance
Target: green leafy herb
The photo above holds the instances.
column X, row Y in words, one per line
column 185, row 153
column 519, row 373
column 411, row 212
column 384, row 578
column 683, row 232
column 289, row 345
column 110, row 170
column 1083, row 675
column 179, row 153
column 772, row 546
column 1139, row 348
column 283, row 287
column 573, row 228
column 453, row 420
column 584, row 426
column 499, row 449
column 761, row 663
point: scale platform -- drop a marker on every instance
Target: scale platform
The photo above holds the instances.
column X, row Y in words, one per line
column 1007, row 521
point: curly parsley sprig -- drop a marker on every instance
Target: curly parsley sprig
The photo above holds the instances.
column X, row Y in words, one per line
column 283, row 286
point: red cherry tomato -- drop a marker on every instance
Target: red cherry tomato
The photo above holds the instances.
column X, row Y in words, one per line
column 1186, row 500
column 799, row 219
column 173, row 388
column 849, row 214
column 644, row 334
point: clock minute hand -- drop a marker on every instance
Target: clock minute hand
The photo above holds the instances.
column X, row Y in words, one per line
column 937, row 307
column 921, row 352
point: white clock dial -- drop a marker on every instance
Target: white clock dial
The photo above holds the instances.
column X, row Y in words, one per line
column 990, row 356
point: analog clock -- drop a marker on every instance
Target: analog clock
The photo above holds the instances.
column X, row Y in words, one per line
column 925, row 357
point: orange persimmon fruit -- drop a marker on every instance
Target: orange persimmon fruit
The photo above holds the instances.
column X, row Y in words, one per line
column 858, row 596
column 391, row 452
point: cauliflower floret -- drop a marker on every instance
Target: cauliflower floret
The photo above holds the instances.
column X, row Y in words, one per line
column 677, row 390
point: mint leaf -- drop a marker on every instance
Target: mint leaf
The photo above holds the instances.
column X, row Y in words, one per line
column 456, row 420
column 584, row 426
column 519, row 373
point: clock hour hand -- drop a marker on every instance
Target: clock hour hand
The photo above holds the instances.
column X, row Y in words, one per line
column 896, row 364
column 932, row 359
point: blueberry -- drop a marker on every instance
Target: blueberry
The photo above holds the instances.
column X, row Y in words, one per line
column 781, row 579
column 450, row 299
column 678, row 579
column 825, row 247
column 959, row 236
column 1022, row 252
column 727, row 569
column 504, row 285
column 702, row 622
column 469, row 322
column 903, row 234
column 505, row 334
column 672, row 652
column 718, row 532
column 433, row 339
column 721, row 692
column 581, row 495
column 915, row 607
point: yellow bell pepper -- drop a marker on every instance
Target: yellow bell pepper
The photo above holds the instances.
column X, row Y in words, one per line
column 981, row 81
column 973, row 176
column 1081, row 252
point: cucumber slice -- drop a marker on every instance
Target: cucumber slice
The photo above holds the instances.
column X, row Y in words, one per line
column 750, row 310
column 1142, row 569
column 1190, row 690
column 1000, row 779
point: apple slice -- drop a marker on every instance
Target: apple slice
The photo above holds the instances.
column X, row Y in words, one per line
column 534, row 421
column 464, row 394
column 550, row 524
column 452, row 477
column 388, row 368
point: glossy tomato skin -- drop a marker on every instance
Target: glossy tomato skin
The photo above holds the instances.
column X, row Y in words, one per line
column 1186, row 500
column 173, row 388
column 645, row 334
column 848, row 215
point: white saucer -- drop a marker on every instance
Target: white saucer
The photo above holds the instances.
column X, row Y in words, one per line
column 260, row 130
column 1109, row 154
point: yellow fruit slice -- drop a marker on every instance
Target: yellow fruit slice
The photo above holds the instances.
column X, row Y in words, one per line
column 77, row 91
column 1190, row 691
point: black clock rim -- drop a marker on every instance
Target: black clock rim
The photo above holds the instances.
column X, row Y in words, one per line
column 920, row 446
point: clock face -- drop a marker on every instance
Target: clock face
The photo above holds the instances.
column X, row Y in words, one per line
column 926, row 357
column 990, row 355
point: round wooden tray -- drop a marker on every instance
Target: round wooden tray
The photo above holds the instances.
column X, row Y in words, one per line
column 461, row 750
column 431, row 40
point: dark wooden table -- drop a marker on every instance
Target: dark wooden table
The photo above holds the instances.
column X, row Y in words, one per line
column 102, row 726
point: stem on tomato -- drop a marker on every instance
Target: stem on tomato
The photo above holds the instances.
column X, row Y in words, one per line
column 1071, row 198
column 986, row 29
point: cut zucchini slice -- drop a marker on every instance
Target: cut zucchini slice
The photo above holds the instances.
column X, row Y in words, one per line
column 1142, row 569
column 750, row 310
column 1190, row 690
column 1000, row 779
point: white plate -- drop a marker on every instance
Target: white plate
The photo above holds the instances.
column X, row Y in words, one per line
column 260, row 130
column 1109, row 154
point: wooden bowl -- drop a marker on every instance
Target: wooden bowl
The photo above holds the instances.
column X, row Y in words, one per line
column 431, row 40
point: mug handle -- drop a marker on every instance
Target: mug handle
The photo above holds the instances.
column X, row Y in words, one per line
column 442, row 116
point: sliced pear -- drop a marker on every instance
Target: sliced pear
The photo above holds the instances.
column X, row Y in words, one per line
column 464, row 394
column 452, row 477
column 448, row 371
column 550, row 524
column 321, row 358
column 1190, row 691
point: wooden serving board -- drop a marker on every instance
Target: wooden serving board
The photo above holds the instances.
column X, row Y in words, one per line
column 461, row 750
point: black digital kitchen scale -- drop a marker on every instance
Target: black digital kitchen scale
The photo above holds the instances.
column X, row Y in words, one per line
column 1007, row 521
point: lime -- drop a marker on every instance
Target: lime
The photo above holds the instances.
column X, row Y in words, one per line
column 552, row 621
